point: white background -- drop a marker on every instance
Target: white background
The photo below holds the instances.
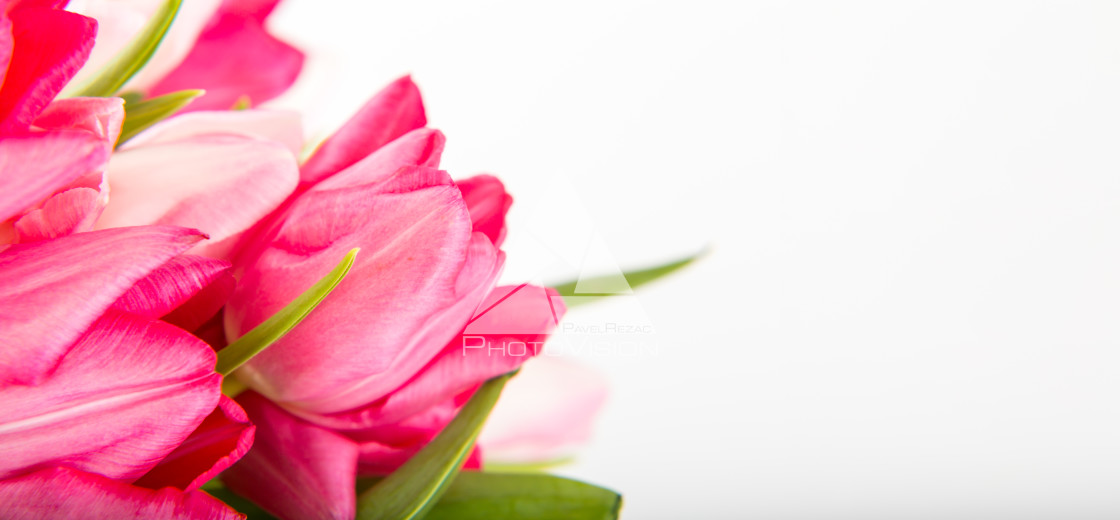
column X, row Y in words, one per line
column 910, row 306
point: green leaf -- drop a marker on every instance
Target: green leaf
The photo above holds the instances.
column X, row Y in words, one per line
column 107, row 81
column 634, row 279
column 527, row 467
column 139, row 115
column 487, row 496
column 414, row 488
column 283, row 321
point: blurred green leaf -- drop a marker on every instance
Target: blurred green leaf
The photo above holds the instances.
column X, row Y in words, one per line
column 634, row 279
column 242, row 103
column 414, row 488
column 107, row 81
column 139, row 115
column 274, row 328
column 487, row 496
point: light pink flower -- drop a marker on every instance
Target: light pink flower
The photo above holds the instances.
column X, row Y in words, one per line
column 545, row 413
column 219, row 172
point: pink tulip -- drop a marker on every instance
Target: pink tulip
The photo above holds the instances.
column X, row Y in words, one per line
column 235, row 57
column 95, row 393
column 215, row 45
column 118, row 23
column 385, row 362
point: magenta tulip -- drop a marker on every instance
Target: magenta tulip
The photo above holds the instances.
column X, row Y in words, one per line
column 97, row 396
column 386, row 361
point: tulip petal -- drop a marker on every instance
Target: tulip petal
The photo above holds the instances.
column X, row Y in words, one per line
column 128, row 392
column 545, row 413
column 120, row 22
column 488, row 203
column 511, row 328
column 391, row 113
column 49, row 46
column 181, row 280
column 276, row 125
column 235, row 57
column 34, row 166
column 221, row 184
column 221, row 440
column 68, row 493
column 100, row 116
column 295, row 470
column 68, row 212
column 53, row 290
column 418, row 279
column 421, row 147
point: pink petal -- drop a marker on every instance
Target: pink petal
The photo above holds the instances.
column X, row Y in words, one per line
column 55, row 289
column 68, row 212
column 124, row 396
column 99, row 116
column 221, row 440
column 419, row 277
column 488, row 203
column 418, row 148
column 6, row 43
column 173, row 284
column 545, row 413
column 69, row 493
column 422, row 147
column 511, row 327
column 386, row 448
column 275, row 125
column 221, row 184
column 390, row 114
column 49, row 47
column 34, row 166
column 119, row 22
column 295, row 470
column 235, row 57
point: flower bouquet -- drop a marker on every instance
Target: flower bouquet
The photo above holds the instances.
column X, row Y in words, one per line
column 201, row 317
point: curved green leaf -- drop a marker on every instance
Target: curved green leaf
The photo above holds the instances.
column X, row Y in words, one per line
column 274, row 328
column 139, row 115
column 634, row 279
column 489, row 496
column 107, row 81
column 413, row 489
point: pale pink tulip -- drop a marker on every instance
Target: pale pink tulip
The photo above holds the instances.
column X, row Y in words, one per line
column 545, row 413
column 220, row 183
